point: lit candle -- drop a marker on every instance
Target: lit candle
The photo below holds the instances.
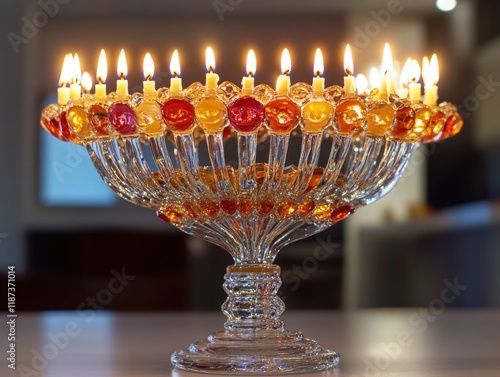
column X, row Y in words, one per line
column 403, row 79
column 374, row 78
column 248, row 81
column 102, row 72
column 414, row 86
column 361, row 83
column 349, row 81
column 387, row 82
column 283, row 83
column 75, row 88
column 318, row 81
column 175, row 71
column 86, row 82
column 149, row 70
column 121, row 83
column 425, row 70
column 431, row 89
column 63, row 93
column 211, row 78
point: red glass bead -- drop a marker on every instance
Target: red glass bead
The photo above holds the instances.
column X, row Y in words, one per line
column 229, row 206
column 282, row 115
column 246, row 114
column 162, row 216
column 51, row 126
column 99, row 120
column 122, row 118
column 178, row 114
column 66, row 132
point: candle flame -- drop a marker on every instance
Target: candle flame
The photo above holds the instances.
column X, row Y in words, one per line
column 286, row 62
column 387, row 62
column 425, row 70
column 405, row 73
column 86, row 81
column 102, row 67
column 210, row 59
column 318, row 63
column 361, row 83
column 348, row 62
column 414, row 71
column 433, row 70
column 67, row 70
column 374, row 77
column 175, row 65
column 251, row 63
column 148, row 67
column 122, row 65
column 77, row 71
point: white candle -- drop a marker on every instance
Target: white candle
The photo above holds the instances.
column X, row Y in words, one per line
column 387, row 67
column 63, row 93
column 415, row 87
column 349, row 81
column 75, row 88
column 318, row 81
column 211, row 78
column 361, row 83
column 148, row 84
column 283, row 83
column 86, row 82
column 175, row 71
column 431, row 89
column 102, row 72
column 121, row 83
column 403, row 79
column 248, row 81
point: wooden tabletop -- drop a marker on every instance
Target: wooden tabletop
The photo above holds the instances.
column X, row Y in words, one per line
column 372, row 343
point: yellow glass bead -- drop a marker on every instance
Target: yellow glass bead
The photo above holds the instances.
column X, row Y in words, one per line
column 78, row 120
column 350, row 114
column 422, row 120
column 322, row 212
column 380, row 119
column 149, row 117
column 316, row 116
column 211, row 114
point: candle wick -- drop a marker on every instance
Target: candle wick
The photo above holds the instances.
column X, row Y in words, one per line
column 286, row 72
column 348, row 72
column 122, row 76
column 250, row 74
column 210, row 69
column 386, row 72
column 318, row 73
column 176, row 75
column 148, row 77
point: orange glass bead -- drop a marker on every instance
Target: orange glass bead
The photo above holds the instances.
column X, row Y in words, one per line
column 316, row 178
column 435, row 126
column 305, row 207
column 423, row 117
column 209, row 208
column 405, row 120
column 380, row 118
column 178, row 114
column 452, row 126
column 282, row 115
column 229, row 206
column 169, row 215
column 316, row 116
column 99, row 120
column 245, row 206
column 342, row 212
column 350, row 114
column 264, row 207
column 286, row 209
column 322, row 212
column 190, row 209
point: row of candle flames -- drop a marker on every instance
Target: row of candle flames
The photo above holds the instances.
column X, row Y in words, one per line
column 409, row 86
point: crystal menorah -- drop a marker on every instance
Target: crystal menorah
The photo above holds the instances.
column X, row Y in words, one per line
column 251, row 208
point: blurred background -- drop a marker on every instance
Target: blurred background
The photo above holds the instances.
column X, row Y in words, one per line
column 68, row 234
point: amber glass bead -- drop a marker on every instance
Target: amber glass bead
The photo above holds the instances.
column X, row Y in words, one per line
column 122, row 118
column 305, row 207
column 211, row 114
column 322, row 212
column 452, row 126
column 405, row 120
column 265, row 206
column 209, row 207
column 435, row 126
column 350, row 114
column 190, row 209
column 169, row 215
column 342, row 212
column 245, row 206
column 178, row 114
column 286, row 209
column 246, row 114
column 78, row 119
column 99, row 120
column 282, row 115
column 380, row 119
column 316, row 116
column 229, row 206
column 149, row 117
column 423, row 117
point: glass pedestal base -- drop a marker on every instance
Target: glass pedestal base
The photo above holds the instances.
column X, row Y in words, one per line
column 255, row 352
